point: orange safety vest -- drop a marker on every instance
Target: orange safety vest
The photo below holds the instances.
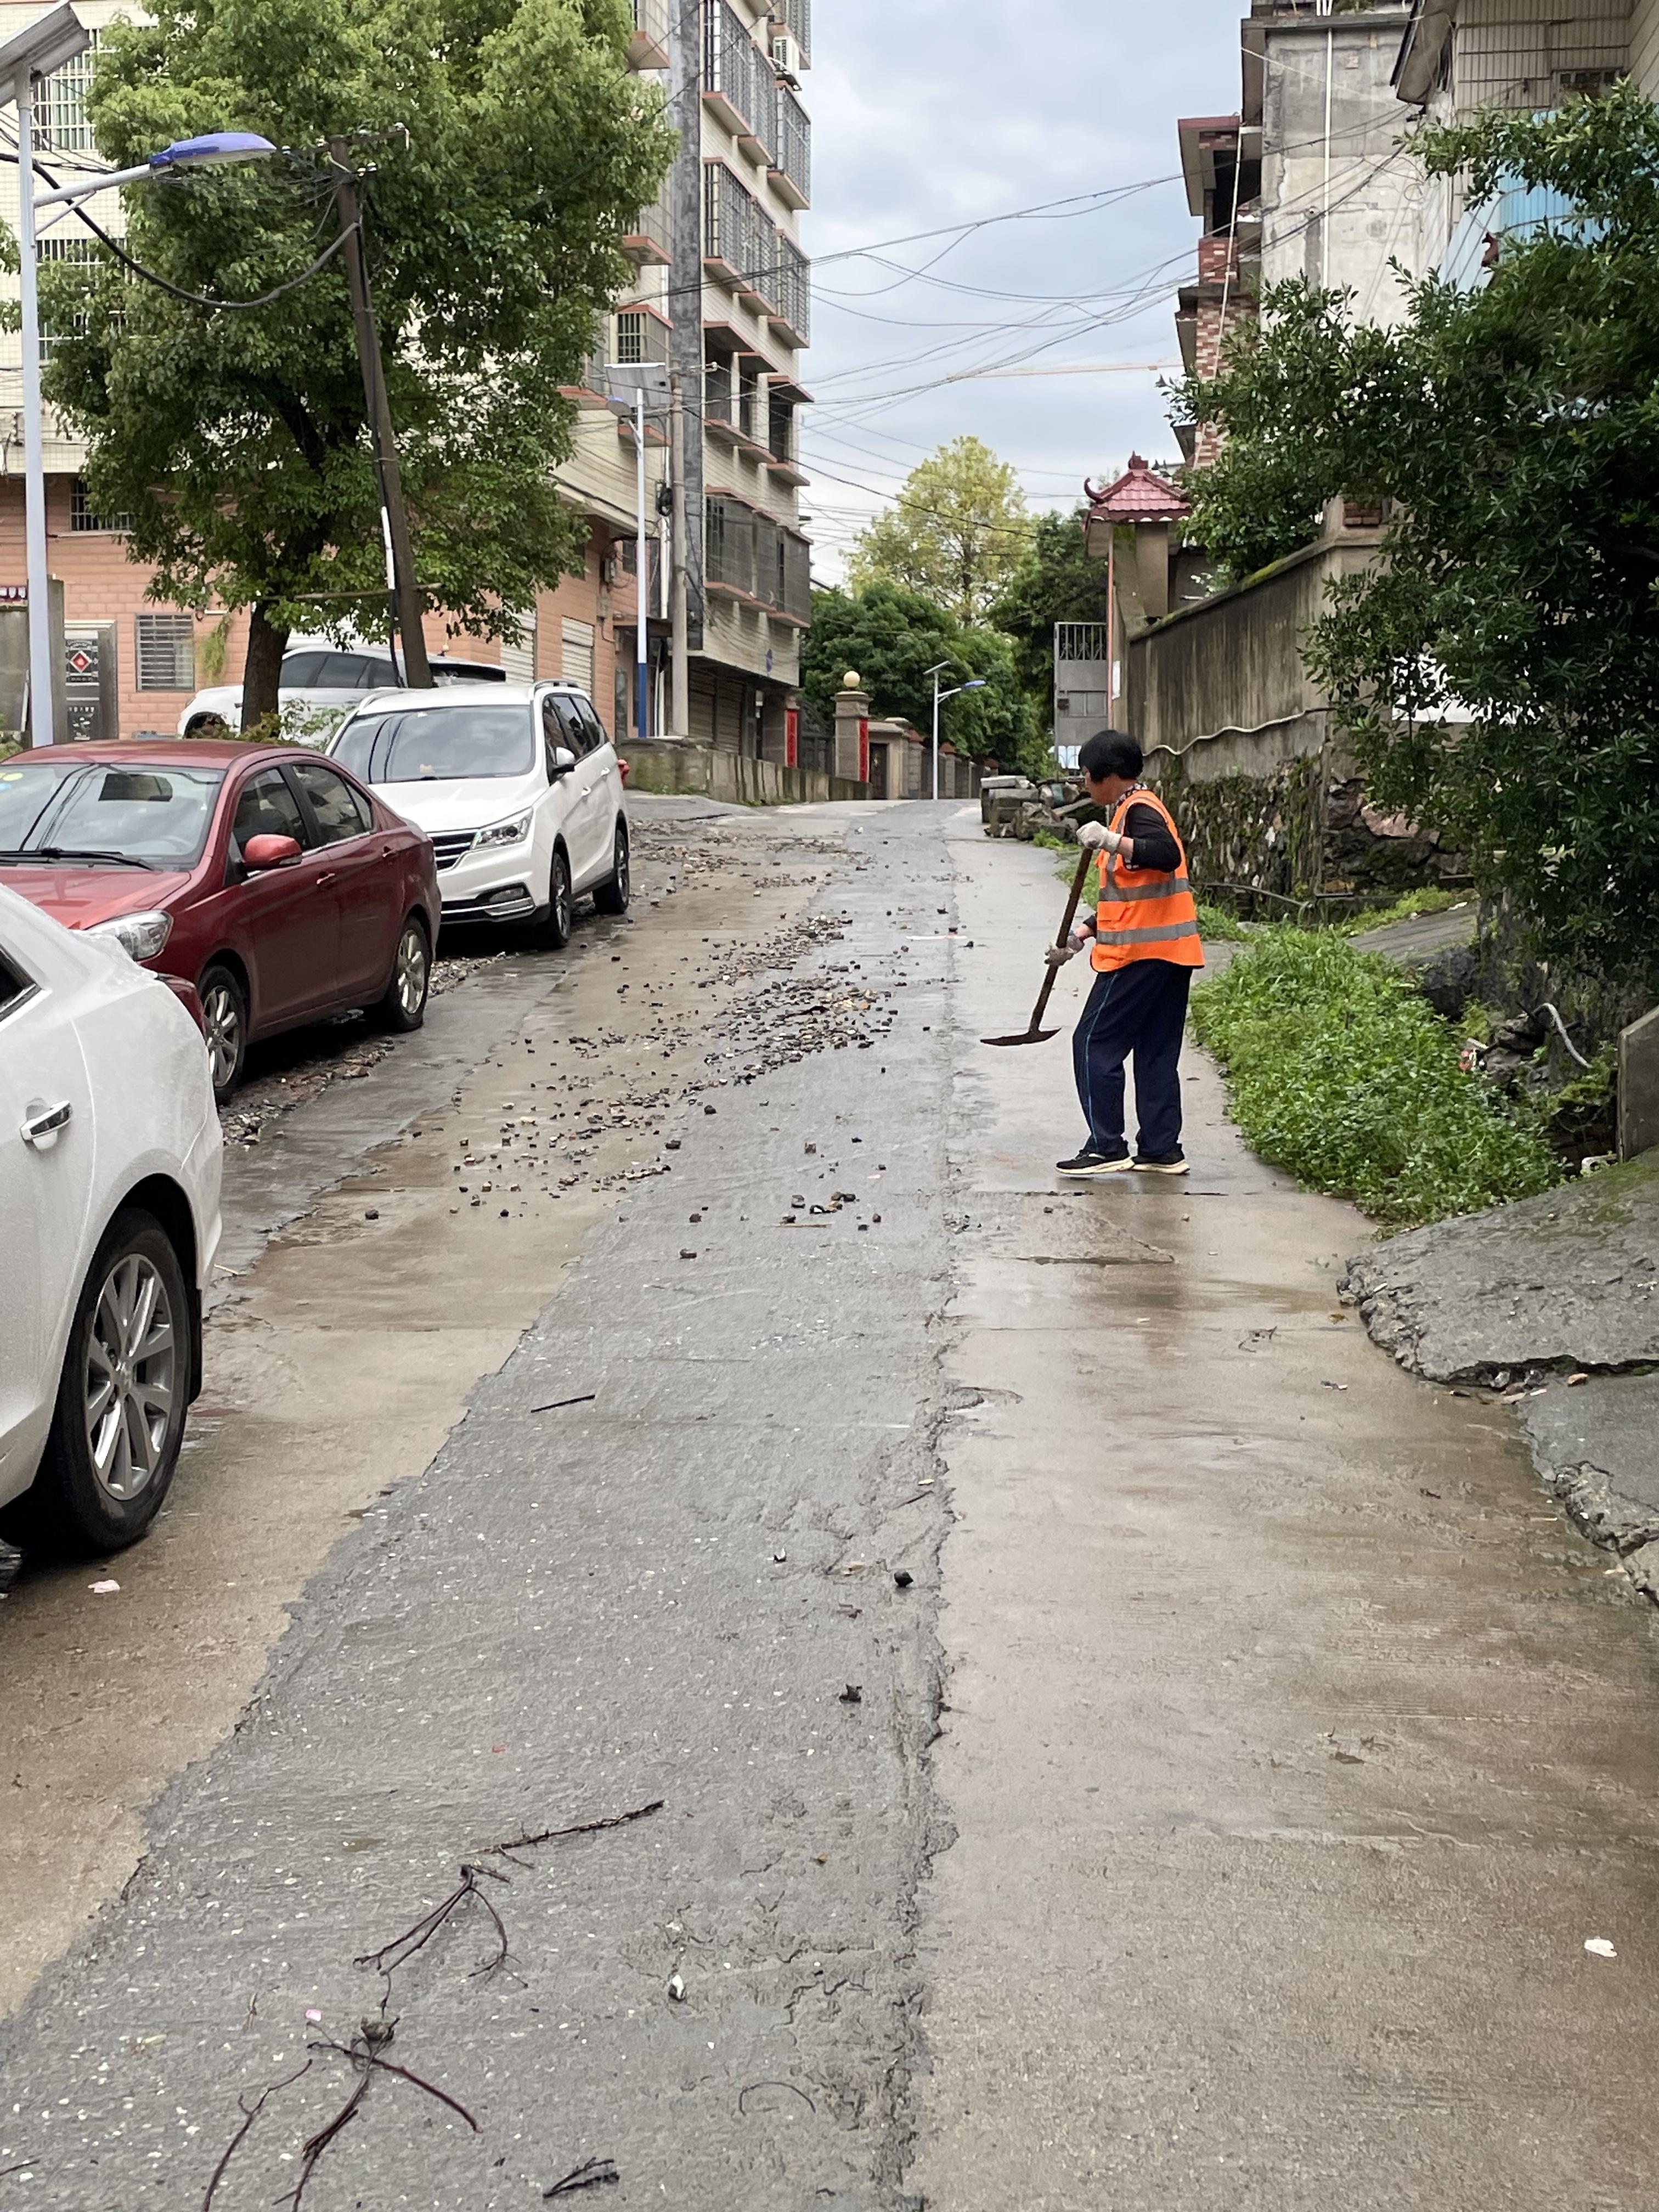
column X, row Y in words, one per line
column 1143, row 914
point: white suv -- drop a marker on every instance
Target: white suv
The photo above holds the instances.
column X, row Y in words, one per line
column 519, row 792
column 317, row 685
column 109, row 1220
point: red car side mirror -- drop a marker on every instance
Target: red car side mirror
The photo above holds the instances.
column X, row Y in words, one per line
column 268, row 852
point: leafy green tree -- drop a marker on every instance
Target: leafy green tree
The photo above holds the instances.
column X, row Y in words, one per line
column 510, row 149
column 1499, row 665
column 892, row 637
column 955, row 532
column 1056, row 581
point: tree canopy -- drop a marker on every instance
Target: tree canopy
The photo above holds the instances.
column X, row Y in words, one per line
column 509, row 150
column 955, row 533
column 892, row 637
column 1499, row 664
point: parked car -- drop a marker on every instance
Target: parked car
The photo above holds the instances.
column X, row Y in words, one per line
column 109, row 1220
column 318, row 683
column 265, row 877
column 520, row 793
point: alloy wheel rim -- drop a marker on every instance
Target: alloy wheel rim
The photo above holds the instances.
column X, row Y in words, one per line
column 131, row 1378
column 411, row 971
column 622, row 864
column 562, row 898
column 223, row 1026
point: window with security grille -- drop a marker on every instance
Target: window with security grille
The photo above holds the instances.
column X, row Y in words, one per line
column 78, row 252
column 83, row 516
column 63, row 113
column 165, row 652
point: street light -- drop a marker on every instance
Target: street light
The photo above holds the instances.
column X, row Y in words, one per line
column 35, row 51
column 974, row 684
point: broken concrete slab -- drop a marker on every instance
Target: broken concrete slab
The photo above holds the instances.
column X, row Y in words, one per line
column 1567, row 1279
column 1609, row 1424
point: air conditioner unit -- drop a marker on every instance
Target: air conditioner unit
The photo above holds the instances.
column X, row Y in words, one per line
column 786, row 56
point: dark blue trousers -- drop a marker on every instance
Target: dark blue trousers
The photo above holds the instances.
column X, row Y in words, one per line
column 1139, row 1009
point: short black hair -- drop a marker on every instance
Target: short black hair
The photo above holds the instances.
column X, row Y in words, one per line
column 1108, row 753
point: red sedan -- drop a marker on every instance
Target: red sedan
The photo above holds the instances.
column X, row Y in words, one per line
column 267, row 876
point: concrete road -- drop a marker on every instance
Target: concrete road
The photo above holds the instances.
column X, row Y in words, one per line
column 1116, row 1740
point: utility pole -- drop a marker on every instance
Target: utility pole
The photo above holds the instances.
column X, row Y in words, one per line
column 679, row 687
column 685, row 192
column 394, row 518
column 641, row 577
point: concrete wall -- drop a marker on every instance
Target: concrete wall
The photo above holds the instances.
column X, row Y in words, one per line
column 670, row 766
column 1222, row 683
column 1336, row 220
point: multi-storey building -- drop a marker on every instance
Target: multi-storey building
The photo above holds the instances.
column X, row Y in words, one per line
column 737, row 294
column 746, row 319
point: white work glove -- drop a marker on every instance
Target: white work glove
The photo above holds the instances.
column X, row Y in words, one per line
column 1094, row 834
column 1058, row 955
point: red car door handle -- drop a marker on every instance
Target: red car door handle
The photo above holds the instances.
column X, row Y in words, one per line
column 327, row 875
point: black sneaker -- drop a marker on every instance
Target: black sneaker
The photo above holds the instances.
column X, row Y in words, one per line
column 1090, row 1163
column 1173, row 1162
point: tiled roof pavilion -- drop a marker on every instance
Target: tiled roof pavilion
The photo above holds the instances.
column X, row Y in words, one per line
column 1138, row 495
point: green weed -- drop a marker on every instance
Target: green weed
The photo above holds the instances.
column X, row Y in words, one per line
column 1406, row 907
column 1343, row 1076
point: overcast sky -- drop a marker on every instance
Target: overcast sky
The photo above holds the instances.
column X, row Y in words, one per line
column 930, row 113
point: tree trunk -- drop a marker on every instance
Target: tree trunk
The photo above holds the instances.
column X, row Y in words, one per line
column 260, row 671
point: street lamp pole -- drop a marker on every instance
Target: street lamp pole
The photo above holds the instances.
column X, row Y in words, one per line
column 43, row 673
column 974, row 684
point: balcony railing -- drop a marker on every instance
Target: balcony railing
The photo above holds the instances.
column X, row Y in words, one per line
column 729, row 545
column 648, row 48
column 790, row 291
column 737, row 238
column 795, row 583
column 795, row 16
column 737, row 77
column 648, row 243
column 792, row 148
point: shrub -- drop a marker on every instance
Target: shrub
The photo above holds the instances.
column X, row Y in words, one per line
column 1343, row 1076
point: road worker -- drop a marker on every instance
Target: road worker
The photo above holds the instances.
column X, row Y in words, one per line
column 1143, row 944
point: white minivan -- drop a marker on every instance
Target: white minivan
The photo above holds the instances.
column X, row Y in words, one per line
column 518, row 787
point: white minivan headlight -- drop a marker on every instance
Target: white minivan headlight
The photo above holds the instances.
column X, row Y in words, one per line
column 141, row 934
column 513, row 831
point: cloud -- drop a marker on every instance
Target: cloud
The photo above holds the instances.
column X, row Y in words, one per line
column 930, row 113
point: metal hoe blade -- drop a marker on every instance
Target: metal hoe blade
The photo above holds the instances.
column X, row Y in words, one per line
column 1033, row 1033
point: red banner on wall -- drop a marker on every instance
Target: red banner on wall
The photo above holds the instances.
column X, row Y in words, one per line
column 792, row 737
column 864, row 749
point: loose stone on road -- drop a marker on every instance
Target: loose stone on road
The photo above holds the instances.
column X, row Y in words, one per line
column 1119, row 1741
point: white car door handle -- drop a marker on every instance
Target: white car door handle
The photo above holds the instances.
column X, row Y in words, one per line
column 42, row 1127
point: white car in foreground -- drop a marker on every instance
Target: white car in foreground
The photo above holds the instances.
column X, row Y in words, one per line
column 519, row 789
column 109, row 1220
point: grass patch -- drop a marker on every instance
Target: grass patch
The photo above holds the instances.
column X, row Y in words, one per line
column 1406, row 907
column 1216, row 925
column 1343, row 1076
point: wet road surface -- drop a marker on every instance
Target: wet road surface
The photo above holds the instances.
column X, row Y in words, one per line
column 1214, row 1815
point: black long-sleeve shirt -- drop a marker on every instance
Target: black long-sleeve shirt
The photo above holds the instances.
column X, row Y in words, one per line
column 1154, row 846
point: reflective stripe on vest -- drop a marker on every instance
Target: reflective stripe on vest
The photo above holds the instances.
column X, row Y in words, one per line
column 1143, row 914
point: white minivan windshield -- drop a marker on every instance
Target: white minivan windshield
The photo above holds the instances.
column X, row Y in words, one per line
column 440, row 744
